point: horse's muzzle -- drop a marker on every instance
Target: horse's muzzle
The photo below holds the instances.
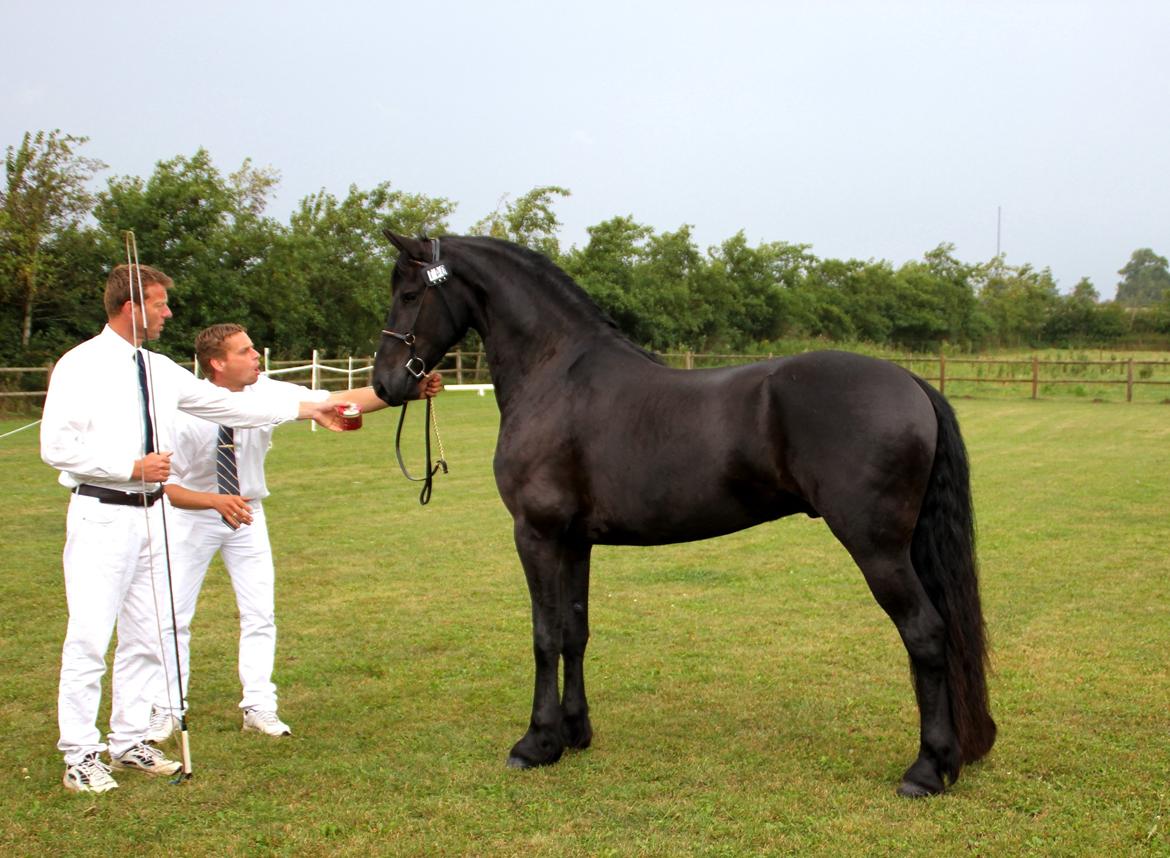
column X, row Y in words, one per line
column 396, row 387
column 381, row 392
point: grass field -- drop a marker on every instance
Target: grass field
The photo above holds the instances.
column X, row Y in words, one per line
column 748, row 696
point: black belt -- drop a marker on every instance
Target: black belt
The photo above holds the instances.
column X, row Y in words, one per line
column 120, row 498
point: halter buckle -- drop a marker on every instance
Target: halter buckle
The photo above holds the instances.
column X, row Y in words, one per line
column 407, row 338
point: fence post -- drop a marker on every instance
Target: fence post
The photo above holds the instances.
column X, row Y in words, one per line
column 266, row 358
column 1129, row 380
column 942, row 373
column 313, row 386
column 1035, row 375
column 459, row 366
column 689, row 359
column 349, row 375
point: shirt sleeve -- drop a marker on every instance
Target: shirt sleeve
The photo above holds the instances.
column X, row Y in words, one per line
column 203, row 399
column 267, row 386
column 181, row 454
column 67, row 442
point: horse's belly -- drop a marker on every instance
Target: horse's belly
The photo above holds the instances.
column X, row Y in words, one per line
column 659, row 521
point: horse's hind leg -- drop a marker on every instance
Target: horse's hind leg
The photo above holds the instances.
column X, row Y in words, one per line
column 574, row 706
column 891, row 578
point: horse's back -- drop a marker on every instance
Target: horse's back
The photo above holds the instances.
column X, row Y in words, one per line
column 834, row 393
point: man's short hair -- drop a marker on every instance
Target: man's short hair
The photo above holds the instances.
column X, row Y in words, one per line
column 122, row 285
column 209, row 343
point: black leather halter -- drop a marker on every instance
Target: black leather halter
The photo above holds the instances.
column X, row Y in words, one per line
column 435, row 275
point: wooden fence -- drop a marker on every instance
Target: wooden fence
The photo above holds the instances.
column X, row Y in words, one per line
column 1040, row 378
column 1096, row 379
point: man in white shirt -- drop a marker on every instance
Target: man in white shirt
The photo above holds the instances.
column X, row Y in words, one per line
column 108, row 427
column 218, row 486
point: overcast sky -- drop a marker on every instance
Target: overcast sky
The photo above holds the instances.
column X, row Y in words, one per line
column 864, row 129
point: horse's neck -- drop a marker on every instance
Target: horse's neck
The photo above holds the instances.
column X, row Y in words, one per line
column 529, row 327
column 524, row 340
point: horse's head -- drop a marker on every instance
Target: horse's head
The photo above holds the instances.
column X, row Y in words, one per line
column 425, row 318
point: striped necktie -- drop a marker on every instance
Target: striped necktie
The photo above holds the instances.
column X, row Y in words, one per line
column 227, row 477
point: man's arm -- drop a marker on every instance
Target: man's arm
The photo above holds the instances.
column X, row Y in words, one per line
column 200, row 397
column 233, row 508
column 68, row 439
column 363, row 397
column 367, row 400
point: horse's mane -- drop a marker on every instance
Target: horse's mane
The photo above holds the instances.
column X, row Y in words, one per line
column 553, row 277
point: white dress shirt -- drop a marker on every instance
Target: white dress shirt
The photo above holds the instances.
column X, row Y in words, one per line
column 193, row 465
column 92, row 428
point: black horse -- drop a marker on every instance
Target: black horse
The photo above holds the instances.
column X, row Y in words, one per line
column 600, row 443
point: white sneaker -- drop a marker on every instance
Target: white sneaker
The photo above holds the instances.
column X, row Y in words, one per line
column 265, row 721
column 90, row 775
column 162, row 725
column 147, row 759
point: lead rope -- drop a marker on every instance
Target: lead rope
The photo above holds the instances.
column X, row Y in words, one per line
column 428, row 481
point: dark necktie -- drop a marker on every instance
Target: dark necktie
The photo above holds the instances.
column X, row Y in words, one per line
column 145, row 390
column 227, row 477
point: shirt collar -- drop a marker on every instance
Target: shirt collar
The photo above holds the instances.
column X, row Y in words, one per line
column 113, row 340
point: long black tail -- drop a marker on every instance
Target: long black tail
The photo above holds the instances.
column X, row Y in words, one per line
column 943, row 553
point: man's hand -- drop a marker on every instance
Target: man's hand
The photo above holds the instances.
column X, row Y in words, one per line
column 430, row 385
column 153, row 468
column 324, row 414
column 233, row 508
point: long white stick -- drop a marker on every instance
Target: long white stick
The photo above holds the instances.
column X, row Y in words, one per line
column 184, row 744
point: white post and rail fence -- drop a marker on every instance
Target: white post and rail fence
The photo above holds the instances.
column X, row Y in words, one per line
column 1103, row 379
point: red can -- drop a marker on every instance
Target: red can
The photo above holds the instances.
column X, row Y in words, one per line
column 351, row 417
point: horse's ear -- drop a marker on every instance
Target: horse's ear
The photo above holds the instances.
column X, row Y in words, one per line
column 412, row 248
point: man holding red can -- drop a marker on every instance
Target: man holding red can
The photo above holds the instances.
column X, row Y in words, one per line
column 217, row 486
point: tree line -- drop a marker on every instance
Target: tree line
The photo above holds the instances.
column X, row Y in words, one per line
column 321, row 280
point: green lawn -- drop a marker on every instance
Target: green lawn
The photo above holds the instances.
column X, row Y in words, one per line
column 748, row 695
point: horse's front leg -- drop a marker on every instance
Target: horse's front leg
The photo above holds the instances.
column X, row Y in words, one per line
column 574, row 706
column 544, row 561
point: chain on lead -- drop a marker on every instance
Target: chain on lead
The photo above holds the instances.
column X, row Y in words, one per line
column 438, row 437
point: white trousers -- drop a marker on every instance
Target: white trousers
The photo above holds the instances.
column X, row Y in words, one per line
column 247, row 554
column 109, row 563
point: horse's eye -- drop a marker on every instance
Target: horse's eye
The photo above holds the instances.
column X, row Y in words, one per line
column 409, row 297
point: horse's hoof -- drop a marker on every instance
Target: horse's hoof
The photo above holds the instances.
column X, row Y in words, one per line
column 921, row 780
column 533, row 751
column 909, row 789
